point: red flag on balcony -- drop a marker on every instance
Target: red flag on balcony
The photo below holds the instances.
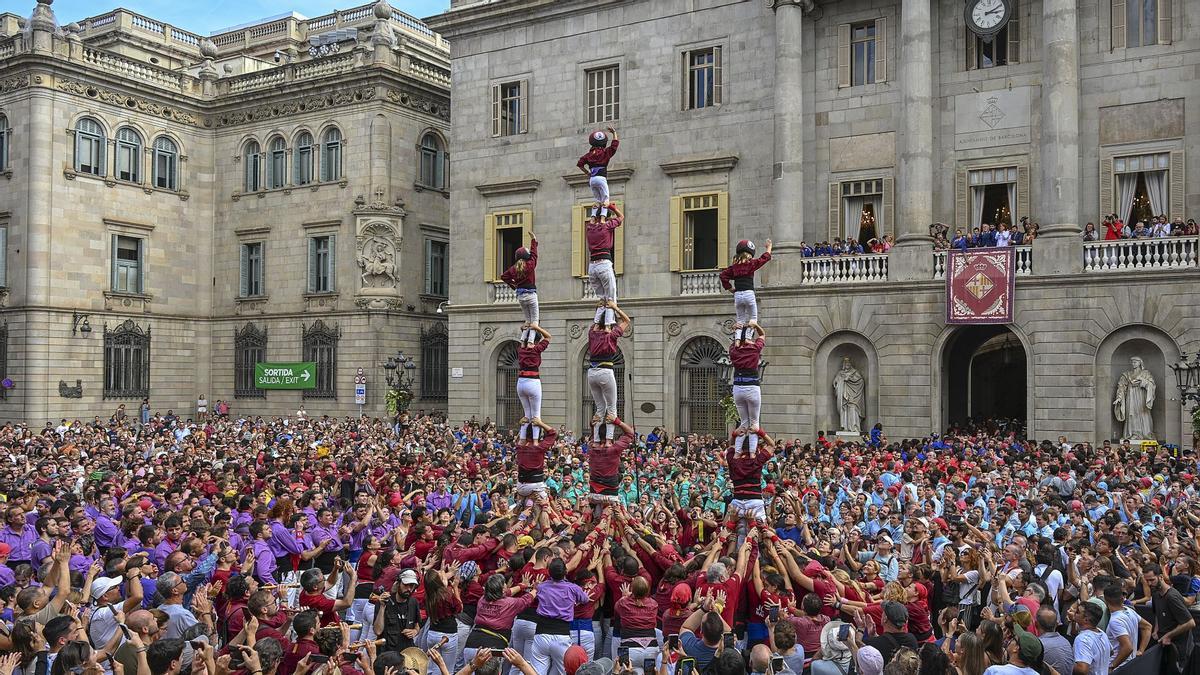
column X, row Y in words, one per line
column 980, row 285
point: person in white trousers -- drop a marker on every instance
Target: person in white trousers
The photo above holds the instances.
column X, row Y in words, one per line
column 442, row 605
column 594, row 163
column 557, row 599
column 746, row 355
column 738, row 278
column 600, row 233
column 602, row 381
column 521, row 276
column 529, row 382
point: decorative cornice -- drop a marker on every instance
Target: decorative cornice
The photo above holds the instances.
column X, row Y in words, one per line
column 128, row 102
column 580, row 179
column 14, row 83
column 808, row 6
column 253, row 231
column 420, row 103
column 335, row 99
column 144, row 227
column 692, row 165
column 509, row 187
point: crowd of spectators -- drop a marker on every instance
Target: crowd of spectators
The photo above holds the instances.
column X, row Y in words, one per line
column 1112, row 228
column 311, row 545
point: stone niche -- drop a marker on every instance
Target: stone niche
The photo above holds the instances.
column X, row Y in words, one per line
column 827, row 361
column 1156, row 349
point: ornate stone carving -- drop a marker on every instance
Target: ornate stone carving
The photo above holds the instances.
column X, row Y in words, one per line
column 1133, row 401
column 250, row 306
column 727, row 326
column 576, row 331
column 67, row 391
column 128, row 102
column 420, row 103
column 674, row 328
column 377, row 260
column 379, row 303
column 260, row 113
column 488, row 333
column 14, row 83
column 320, row 302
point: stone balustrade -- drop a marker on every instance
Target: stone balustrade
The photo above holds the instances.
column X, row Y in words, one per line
column 700, row 283
column 132, row 69
column 589, row 293
column 1023, row 264
column 844, row 269
column 1140, row 254
column 503, row 294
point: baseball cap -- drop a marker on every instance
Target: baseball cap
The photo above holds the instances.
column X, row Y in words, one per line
column 597, row 667
column 103, row 585
column 1028, row 646
column 409, row 578
column 574, row 657
column 896, row 613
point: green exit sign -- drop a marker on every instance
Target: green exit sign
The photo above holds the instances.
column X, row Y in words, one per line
column 285, row 375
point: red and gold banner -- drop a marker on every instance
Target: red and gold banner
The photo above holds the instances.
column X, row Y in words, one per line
column 979, row 285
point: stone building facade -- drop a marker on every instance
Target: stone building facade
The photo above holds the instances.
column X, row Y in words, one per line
column 802, row 121
column 176, row 208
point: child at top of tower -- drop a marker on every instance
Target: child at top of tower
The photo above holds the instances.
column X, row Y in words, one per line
column 739, row 278
column 595, row 164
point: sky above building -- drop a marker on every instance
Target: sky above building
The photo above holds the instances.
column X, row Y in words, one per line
column 213, row 15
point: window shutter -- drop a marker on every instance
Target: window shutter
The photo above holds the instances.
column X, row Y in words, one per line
column 972, row 45
column 1022, row 206
column 718, row 77
column 3, row 257
column 141, row 276
column 684, row 83
column 526, row 227
column 244, row 271
column 332, row 263
column 489, row 248
column 1164, row 27
column 1118, row 29
column 1106, row 186
column 428, row 265
column 312, row 264
column 676, row 234
column 843, row 55
column 495, row 110
column 262, row 268
column 888, row 223
column 881, row 49
column 619, row 244
column 523, row 107
column 1175, row 188
column 722, row 229
column 578, row 244
column 1014, row 35
column 113, row 263
column 835, row 210
column 962, row 217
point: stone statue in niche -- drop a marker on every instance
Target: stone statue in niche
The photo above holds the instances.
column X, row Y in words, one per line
column 377, row 261
column 1134, row 400
column 849, row 387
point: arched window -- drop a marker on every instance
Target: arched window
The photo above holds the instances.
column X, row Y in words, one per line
column 434, row 162
column 303, row 173
column 331, row 155
column 277, row 164
column 253, row 159
column 129, row 155
column 166, row 164
column 700, row 388
column 250, row 348
column 89, row 147
column 4, row 142
column 320, row 344
column 588, row 407
column 508, row 406
column 127, row 361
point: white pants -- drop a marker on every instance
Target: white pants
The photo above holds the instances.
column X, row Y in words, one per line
column 749, row 508
column 586, row 639
column 527, row 489
column 745, row 308
column 604, row 285
column 529, row 391
column 449, row 651
column 464, row 631
column 522, row 636
column 547, row 652
column 638, row 656
column 529, row 308
column 602, row 383
column 599, row 185
column 748, row 399
column 362, row 611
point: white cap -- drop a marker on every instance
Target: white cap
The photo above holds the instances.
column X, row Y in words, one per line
column 103, row 585
column 409, row 577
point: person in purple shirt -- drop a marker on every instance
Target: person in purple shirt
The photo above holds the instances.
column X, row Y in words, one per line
column 19, row 535
column 264, row 557
column 440, row 498
column 556, row 601
column 7, row 577
column 174, row 531
column 108, row 534
column 326, row 531
column 42, row 549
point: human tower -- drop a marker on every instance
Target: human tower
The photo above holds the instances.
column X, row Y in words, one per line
column 610, row 324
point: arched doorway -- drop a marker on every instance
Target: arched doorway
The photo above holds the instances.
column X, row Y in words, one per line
column 701, row 389
column 587, row 409
column 508, row 406
column 985, row 370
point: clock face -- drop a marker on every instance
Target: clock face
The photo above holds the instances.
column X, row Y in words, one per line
column 987, row 16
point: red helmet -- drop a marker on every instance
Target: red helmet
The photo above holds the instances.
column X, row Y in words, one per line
column 598, row 139
column 523, row 254
column 745, row 246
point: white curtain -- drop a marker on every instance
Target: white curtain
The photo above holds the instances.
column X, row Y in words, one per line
column 852, row 216
column 1156, row 189
column 1126, row 184
column 1012, row 204
column 976, row 206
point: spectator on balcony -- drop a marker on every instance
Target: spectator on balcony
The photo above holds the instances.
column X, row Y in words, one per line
column 1160, row 227
column 1031, row 232
column 876, row 246
column 1140, row 231
column 1114, row 229
column 987, row 235
column 1089, row 232
column 888, row 243
column 1178, row 227
column 853, row 247
column 1191, row 229
column 806, row 251
column 1003, row 235
column 960, row 241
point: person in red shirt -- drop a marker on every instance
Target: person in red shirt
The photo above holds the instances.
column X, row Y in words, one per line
column 313, row 585
column 638, row 616
column 601, row 243
column 719, row 580
column 521, row 276
column 594, row 163
column 745, row 472
column 602, row 382
column 739, row 278
column 529, row 383
column 604, row 467
column 746, row 355
column 531, row 461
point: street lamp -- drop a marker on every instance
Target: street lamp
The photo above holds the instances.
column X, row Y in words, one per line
column 1187, row 376
column 441, row 306
column 398, row 373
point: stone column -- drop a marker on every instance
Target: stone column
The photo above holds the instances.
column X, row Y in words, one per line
column 788, row 182
column 1058, row 246
column 912, row 257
